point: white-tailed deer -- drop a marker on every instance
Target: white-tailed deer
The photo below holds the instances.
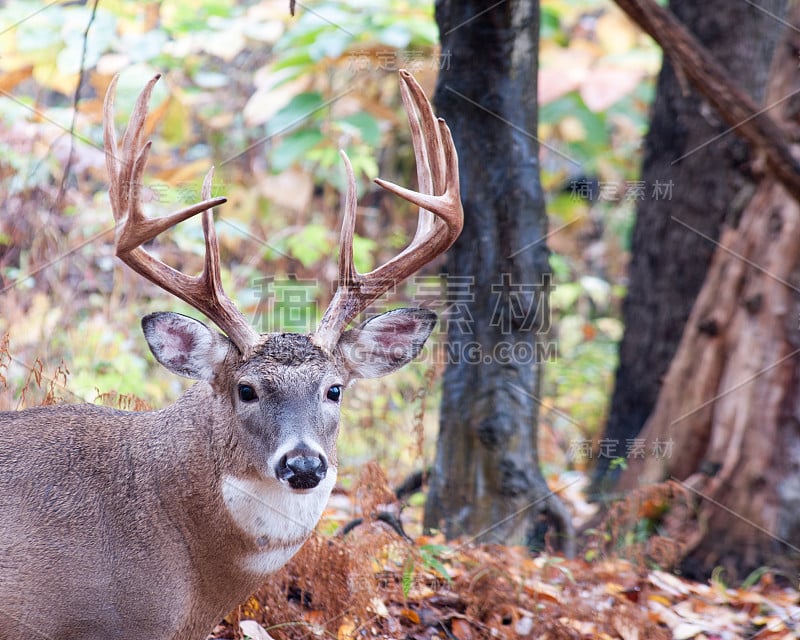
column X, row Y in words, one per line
column 154, row 525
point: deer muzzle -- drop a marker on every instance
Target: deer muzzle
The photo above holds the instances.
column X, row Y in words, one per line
column 302, row 468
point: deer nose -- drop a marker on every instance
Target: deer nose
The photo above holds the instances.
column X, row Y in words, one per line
column 302, row 468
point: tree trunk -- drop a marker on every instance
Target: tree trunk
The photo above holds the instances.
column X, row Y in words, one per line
column 710, row 183
column 728, row 414
column 486, row 481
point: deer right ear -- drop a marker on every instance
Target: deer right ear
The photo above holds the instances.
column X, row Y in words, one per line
column 184, row 345
column 386, row 342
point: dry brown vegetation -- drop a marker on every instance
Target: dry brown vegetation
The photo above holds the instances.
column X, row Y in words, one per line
column 372, row 583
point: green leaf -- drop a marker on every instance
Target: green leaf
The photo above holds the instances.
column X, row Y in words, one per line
column 408, row 575
column 560, row 266
column 302, row 60
column 143, row 47
column 309, row 245
column 300, row 110
column 423, row 31
column 596, row 134
column 363, row 249
column 365, row 125
column 330, row 45
column 549, row 24
column 430, row 557
column 300, row 38
column 396, row 35
column 38, row 31
column 565, row 294
column 294, row 148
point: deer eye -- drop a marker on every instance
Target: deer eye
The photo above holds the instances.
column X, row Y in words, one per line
column 247, row 393
column 334, row 393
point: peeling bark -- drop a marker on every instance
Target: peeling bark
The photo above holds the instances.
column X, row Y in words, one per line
column 729, row 403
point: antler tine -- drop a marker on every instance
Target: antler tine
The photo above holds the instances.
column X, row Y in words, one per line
column 430, row 173
column 347, row 268
column 441, row 217
column 203, row 292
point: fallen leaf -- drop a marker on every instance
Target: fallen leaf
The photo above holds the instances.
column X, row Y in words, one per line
column 540, row 589
column 253, row 630
column 524, row 626
column 668, row 583
column 686, row 630
column 346, row 630
column 378, row 607
column 660, row 599
column 11, row 78
column 626, row 629
column 461, row 629
column 410, row 615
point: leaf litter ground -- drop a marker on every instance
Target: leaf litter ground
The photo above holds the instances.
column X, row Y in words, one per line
column 374, row 582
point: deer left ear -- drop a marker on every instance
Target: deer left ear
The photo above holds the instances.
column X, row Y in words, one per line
column 386, row 342
column 184, row 345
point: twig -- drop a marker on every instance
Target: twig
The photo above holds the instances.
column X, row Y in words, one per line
column 62, row 188
column 384, row 516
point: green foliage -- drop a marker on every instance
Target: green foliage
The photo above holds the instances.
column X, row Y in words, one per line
column 756, row 575
column 589, row 135
column 587, row 332
column 618, row 463
column 293, row 148
column 430, row 558
column 310, row 245
column 432, row 555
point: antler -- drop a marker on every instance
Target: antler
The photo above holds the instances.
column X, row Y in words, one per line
column 441, row 216
column 203, row 292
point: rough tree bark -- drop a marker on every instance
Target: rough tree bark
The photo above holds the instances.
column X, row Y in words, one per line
column 486, row 481
column 709, row 186
column 730, row 402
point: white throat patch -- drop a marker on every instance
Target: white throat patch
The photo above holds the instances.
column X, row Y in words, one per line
column 275, row 518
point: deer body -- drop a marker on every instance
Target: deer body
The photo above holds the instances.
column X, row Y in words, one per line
column 154, row 525
column 86, row 518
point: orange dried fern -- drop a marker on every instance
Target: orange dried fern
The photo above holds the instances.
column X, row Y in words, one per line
column 124, row 401
column 5, row 359
column 653, row 525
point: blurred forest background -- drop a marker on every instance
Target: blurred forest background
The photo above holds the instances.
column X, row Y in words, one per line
column 269, row 99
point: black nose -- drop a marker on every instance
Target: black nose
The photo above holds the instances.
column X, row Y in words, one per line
column 302, row 469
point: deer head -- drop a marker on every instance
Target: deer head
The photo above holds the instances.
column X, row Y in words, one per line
column 272, row 376
column 175, row 516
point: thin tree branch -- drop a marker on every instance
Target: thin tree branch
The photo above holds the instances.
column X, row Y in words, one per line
column 62, row 188
column 734, row 106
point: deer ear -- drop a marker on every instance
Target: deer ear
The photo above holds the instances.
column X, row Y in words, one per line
column 386, row 342
column 184, row 345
